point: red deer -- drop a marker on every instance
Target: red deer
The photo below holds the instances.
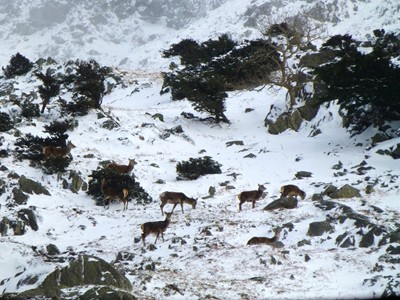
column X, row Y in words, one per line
column 157, row 228
column 51, row 151
column 124, row 169
column 111, row 192
column 175, row 199
column 251, row 196
column 292, row 190
column 274, row 241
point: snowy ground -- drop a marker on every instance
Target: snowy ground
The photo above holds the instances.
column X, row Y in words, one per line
column 191, row 260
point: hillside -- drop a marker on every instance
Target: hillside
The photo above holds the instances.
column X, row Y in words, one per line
column 332, row 245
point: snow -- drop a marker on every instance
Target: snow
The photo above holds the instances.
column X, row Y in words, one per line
column 220, row 265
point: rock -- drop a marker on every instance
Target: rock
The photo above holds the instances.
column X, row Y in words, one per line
column 29, row 186
column 330, row 190
column 393, row 250
column 106, row 293
column 52, row 249
column 367, row 240
column 86, row 270
column 379, row 137
column 303, row 174
column 319, row 228
column 19, row 197
column 286, row 202
column 345, row 240
column 303, row 243
column 346, row 192
column 237, row 143
column 110, row 124
column 77, row 183
column 396, row 152
column 29, row 218
column 4, row 226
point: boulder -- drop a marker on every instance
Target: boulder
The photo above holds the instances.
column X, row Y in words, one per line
column 106, row 293
column 346, row 192
column 29, row 218
column 29, row 186
column 319, row 228
column 286, row 202
column 19, row 197
column 345, row 240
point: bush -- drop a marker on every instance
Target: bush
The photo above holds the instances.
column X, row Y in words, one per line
column 118, row 180
column 196, row 167
column 29, row 110
column 5, row 122
column 19, row 65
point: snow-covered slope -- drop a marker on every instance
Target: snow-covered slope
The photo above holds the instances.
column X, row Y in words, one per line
column 130, row 34
column 204, row 255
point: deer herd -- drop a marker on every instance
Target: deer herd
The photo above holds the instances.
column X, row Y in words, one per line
column 111, row 192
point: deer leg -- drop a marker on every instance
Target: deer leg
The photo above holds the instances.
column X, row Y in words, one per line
column 162, row 208
column 158, row 233
column 253, row 203
column 174, row 207
column 143, row 237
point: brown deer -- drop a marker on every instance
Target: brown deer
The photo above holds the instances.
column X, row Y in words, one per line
column 157, row 228
column 292, row 190
column 176, row 198
column 274, row 241
column 51, row 151
column 111, row 192
column 251, row 196
column 123, row 169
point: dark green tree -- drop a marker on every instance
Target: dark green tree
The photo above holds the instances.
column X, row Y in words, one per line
column 50, row 87
column 89, row 83
column 366, row 85
column 19, row 65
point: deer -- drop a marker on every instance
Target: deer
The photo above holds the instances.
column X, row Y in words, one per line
column 52, row 151
column 157, row 228
column 274, row 241
column 123, row 169
column 111, row 192
column 251, row 196
column 176, row 198
column 292, row 190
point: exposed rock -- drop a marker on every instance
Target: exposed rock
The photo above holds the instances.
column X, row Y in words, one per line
column 303, row 174
column 4, row 225
column 237, row 143
column 286, row 202
column 330, row 190
column 106, row 293
column 29, row 186
column 52, row 249
column 77, row 182
column 346, row 191
column 319, row 228
column 379, row 137
column 87, row 270
column 393, row 250
column 367, row 240
column 29, row 218
column 292, row 120
column 19, row 197
column 345, row 240
column 110, row 124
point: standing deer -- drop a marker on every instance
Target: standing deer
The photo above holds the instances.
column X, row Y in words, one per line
column 292, row 190
column 175, row 199
column 251, row 196
column 267, row 241
column 111, row 192
column 157, row 228
column 51, row 151
column 123, row 169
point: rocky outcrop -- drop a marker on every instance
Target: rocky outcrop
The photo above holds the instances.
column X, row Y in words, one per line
column 346, row 191
column 30, row 187
column 286, row 202
column 86, row 270
column 292, row 120
column 319, row 228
